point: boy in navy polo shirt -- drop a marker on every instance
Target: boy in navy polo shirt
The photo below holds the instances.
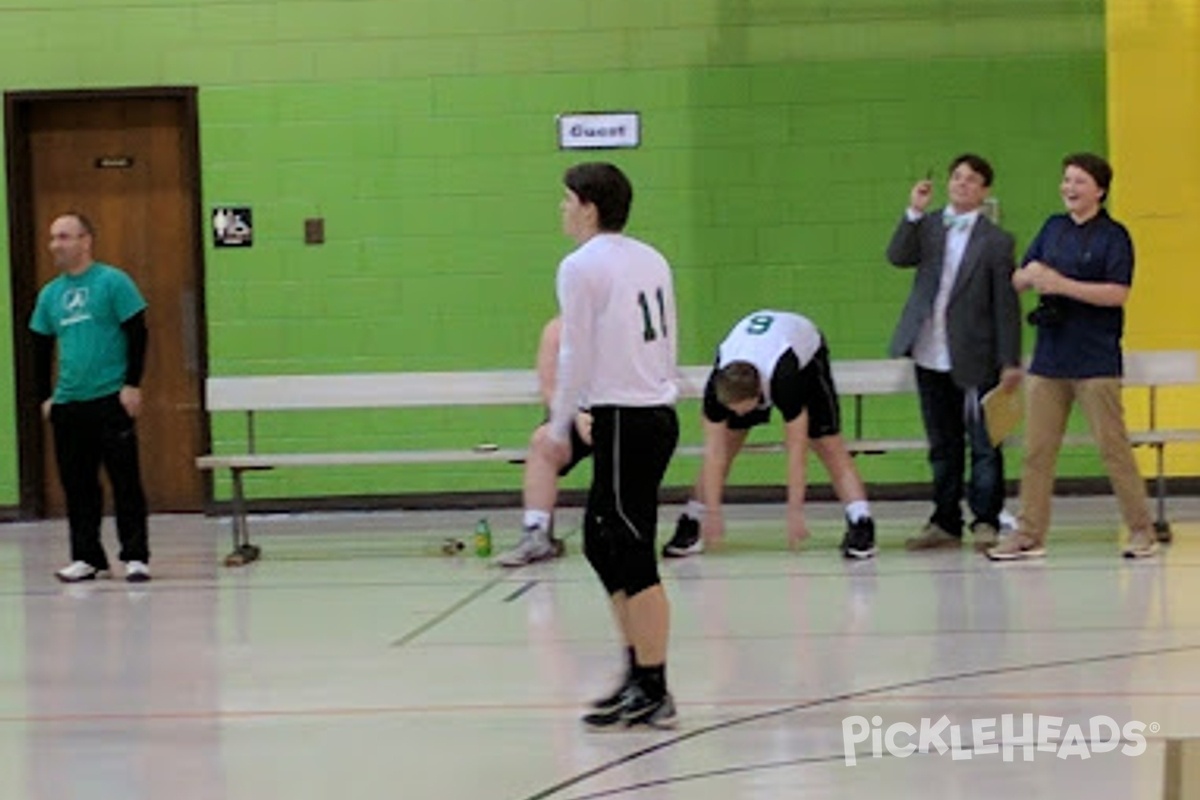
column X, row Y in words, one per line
column 1081, row 263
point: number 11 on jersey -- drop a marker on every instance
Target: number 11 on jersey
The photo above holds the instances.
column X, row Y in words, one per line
column 648, row 332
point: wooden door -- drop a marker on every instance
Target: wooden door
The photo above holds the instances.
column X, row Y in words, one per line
column 128, row 164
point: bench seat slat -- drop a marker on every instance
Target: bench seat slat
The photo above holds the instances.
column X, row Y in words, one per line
column 372, row 390
column 1141, row 438
column 267, row 460
column 519, row 387
column 361, row 458
column 853, row 445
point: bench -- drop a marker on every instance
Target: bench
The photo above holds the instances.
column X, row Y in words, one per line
column 856, row 381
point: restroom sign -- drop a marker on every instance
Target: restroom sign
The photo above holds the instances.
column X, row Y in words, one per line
column 599, row 131
column 232, row 226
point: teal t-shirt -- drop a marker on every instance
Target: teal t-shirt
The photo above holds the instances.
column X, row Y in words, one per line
column 84, row 312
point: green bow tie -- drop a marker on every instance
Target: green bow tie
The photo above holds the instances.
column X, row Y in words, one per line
column 958, row 222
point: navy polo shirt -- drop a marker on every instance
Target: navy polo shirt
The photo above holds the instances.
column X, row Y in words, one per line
column 1088, row 342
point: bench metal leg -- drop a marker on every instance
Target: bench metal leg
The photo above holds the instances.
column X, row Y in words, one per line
column 243, row 552
column 1162, row 528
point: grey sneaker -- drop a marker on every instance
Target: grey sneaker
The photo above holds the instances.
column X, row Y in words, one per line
column 932, row 537
column 984, row 536
column 1017, row 546
column 1142, row 544
column 533, row 546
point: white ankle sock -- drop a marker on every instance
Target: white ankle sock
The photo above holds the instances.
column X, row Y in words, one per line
column 695, row 510
column 858, row 510
column 536, row 518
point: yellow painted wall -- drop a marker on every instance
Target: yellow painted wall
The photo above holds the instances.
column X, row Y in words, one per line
column 1154, row 144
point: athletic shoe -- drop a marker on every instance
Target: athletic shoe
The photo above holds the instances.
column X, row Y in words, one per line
column 613, row 701
column 137, row 572
column 1015, row 547
column 637, row 709
column 859, row 541
column 932, row 537
column 1141, row 545
column 686, row 541
column 78, row 571
column 534, row 545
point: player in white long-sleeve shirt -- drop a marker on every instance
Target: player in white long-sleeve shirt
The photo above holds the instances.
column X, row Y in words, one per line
column 780, row 359
column 618, row 351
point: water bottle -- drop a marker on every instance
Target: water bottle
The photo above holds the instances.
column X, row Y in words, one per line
column 483, row 539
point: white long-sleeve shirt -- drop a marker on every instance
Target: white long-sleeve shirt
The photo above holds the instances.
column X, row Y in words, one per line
column 617, row 300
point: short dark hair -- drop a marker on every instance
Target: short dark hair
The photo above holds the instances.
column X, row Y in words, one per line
column 1100, row 170
column 736, row 382
column 604, row 186
column 978, row 164
column 84, row 222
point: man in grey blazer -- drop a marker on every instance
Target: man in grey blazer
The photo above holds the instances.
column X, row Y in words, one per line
column 961, row 327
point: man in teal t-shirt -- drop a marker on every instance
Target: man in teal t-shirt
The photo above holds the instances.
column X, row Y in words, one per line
column 97, row 315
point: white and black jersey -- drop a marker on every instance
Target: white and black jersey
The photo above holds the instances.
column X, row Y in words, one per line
column 792, row 361
column 618, row 344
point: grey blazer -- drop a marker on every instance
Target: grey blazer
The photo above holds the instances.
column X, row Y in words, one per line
column 983, row 319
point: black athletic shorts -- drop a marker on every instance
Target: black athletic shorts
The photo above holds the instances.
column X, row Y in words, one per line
column 579, row 448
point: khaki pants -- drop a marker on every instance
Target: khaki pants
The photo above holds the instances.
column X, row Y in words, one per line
column 1047, row 406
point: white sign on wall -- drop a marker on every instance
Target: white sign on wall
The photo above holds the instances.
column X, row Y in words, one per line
column 599, row 131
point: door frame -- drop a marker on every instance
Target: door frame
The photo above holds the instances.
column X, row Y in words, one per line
column 31, row 446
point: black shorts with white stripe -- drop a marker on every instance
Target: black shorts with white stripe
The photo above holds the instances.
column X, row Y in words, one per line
column 632, row 448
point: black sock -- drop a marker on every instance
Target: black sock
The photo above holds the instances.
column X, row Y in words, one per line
column 652, row 679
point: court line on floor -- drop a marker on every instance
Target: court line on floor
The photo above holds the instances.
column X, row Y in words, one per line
column 448, row 612
column 522, row 590
column 350, row 712
column 844, row 697
column 179, row 584
column 867, row 635
column 736, row 769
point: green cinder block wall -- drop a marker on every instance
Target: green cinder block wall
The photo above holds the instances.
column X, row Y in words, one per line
column 780, row 139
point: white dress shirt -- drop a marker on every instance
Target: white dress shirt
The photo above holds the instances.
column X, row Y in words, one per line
column 932, row 348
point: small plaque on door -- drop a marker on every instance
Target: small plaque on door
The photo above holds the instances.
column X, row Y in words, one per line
column 114, row 162
column 232, row 226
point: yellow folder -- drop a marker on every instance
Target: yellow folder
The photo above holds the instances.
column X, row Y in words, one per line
column 1001, row 413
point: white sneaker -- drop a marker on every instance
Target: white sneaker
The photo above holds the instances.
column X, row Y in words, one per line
column 78, row 571
column 136, row 572
column 534, row 546
column 1142, row 544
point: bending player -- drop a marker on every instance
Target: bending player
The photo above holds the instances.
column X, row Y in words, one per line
column 773, row 358
column 543, row 466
